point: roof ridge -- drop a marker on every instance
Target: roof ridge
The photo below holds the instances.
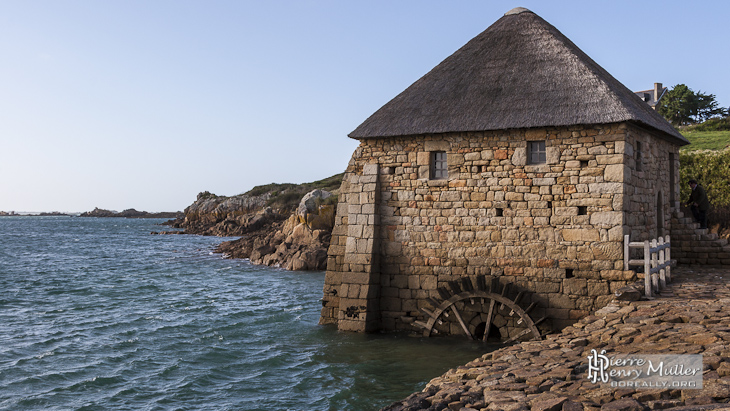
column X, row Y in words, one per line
column 517, row 10
column 520, row 72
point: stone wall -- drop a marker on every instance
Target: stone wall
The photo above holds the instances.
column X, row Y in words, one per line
column 693, row 245
column 554, row 229
column 354, row 287
column 652, row 188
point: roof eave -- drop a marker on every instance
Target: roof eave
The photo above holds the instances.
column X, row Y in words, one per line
column 677, row 139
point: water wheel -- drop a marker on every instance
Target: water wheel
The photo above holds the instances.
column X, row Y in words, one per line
column 475, row 311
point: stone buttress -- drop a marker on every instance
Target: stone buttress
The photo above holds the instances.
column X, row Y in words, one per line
column 352, row 287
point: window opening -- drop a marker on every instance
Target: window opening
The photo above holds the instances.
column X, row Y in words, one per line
column 672, row 181
column 439, row 166
column 536, row 152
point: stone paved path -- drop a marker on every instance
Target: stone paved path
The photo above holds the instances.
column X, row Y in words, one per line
column 692, row 316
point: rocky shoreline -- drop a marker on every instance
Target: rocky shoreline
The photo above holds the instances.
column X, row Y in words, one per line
column 692, row 316
column 295, row 236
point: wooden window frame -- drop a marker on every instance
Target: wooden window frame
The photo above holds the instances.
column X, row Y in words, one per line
column 536, row 152
column 439, row 167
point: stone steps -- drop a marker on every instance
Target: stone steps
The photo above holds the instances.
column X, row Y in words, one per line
column 693, row 245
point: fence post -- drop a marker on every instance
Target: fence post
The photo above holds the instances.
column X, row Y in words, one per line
column 647, row 270
column 662, row 271
column 668, row 257
column 626, row 252
column 655, row 276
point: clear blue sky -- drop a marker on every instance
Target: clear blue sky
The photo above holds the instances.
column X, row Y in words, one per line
column 121, row 104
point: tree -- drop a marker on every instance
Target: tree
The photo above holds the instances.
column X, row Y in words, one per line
column 682, row 106
column 707, row 107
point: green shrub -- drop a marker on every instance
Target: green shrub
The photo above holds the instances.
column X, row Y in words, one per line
column 711, row 169
column 331, row 200
column 273, row 187
column 713, row 124
column 206, row 195
column 286, row 197
column 285, row 201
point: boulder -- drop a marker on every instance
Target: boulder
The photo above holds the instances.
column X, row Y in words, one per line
column 628, row 293
column 313, row 213
column 311, row 201
column 290, row 244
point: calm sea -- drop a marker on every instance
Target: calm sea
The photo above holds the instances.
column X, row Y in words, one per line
column 98, row 314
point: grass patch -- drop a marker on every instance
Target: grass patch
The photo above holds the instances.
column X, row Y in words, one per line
column 706, row 140
column 273, row 187
column 286, row 197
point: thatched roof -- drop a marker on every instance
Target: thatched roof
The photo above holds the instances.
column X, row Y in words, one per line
column 521, row 72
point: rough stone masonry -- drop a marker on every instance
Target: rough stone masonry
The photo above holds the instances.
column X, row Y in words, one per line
column 554, row 229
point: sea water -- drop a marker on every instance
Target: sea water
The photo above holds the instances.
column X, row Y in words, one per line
column 98, row 314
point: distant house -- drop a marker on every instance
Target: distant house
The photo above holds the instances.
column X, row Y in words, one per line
column 652, row 97
column 502, row 180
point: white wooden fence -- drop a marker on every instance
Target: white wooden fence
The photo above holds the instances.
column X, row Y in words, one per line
column 657, row 262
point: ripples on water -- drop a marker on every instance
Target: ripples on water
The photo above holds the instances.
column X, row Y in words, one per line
column 99, row 314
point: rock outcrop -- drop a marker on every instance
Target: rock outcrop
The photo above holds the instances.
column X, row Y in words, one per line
column 227, row 216
column 299, row 243
column 281, row 225
column 240, row 215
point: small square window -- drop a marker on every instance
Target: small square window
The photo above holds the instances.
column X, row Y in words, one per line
column 439, row 166
column 536, row 152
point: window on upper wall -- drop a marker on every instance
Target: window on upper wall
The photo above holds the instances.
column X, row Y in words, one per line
column 439, row 166
column 536, row 152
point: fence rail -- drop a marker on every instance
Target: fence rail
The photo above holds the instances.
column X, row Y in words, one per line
column 657, row 262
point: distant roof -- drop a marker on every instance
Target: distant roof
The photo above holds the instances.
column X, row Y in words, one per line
column 521, row 72
column 647, row 96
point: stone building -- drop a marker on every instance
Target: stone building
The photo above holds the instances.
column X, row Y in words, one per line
column 516, row 161
column 652, row 97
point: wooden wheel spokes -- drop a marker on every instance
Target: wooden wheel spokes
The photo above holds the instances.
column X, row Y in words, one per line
column 465, row 294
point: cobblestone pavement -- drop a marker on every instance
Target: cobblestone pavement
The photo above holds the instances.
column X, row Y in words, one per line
column 691, row 316
column 697, row 282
